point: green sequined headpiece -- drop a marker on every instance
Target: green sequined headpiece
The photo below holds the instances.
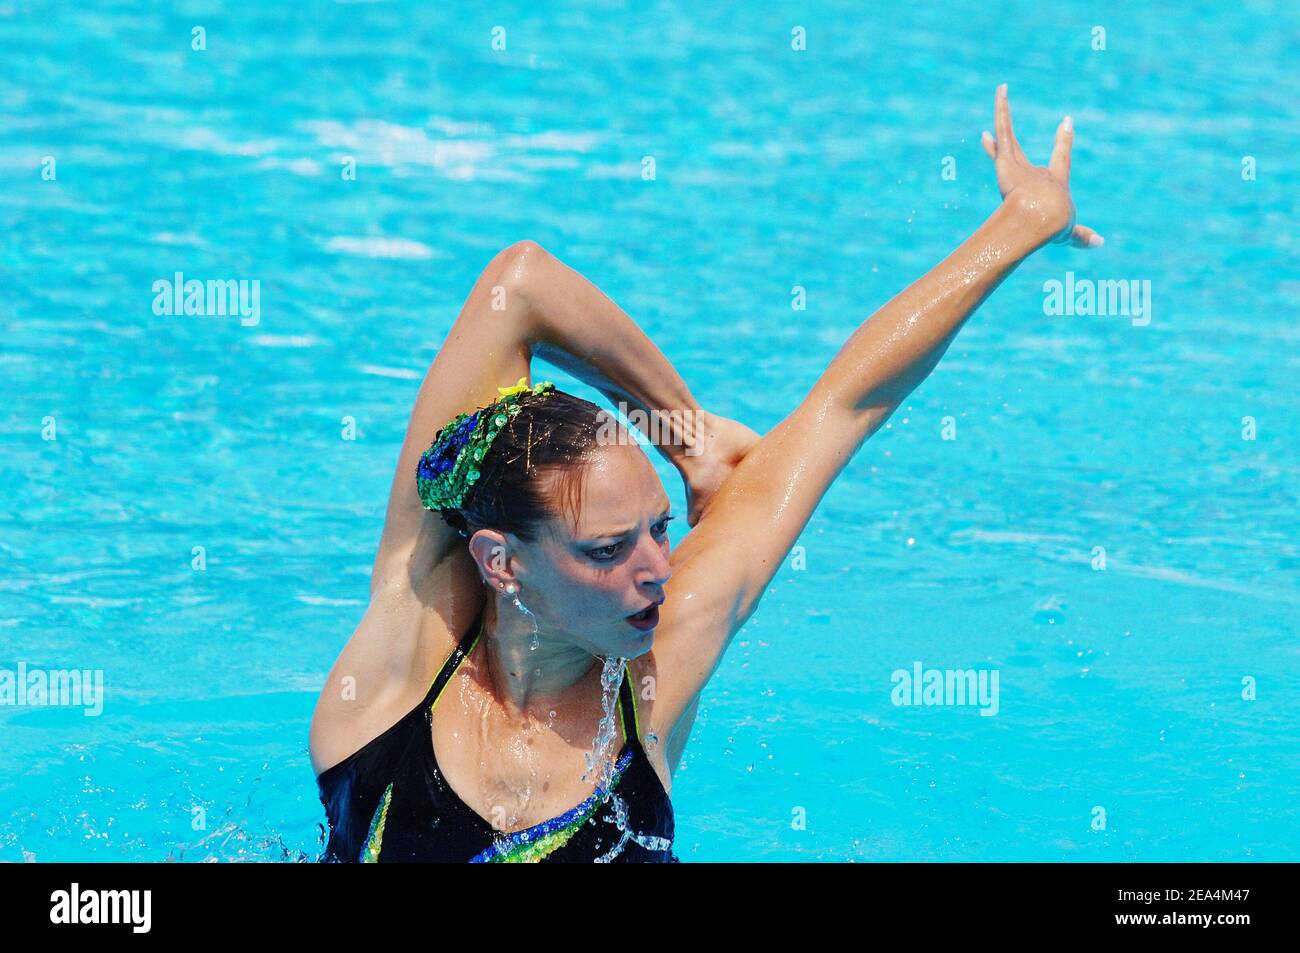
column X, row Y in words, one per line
column 450, row 467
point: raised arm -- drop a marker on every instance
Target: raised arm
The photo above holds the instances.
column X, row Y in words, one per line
column 523, row 301
column 572, row 324
column 723, row 567
column 528, row 302
column 486, row 348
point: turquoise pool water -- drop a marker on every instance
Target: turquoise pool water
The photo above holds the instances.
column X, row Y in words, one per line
column 1120, row 689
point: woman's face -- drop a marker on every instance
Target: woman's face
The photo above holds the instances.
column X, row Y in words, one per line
column 588, row 580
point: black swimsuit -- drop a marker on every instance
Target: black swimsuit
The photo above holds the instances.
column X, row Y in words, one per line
column 389, row 802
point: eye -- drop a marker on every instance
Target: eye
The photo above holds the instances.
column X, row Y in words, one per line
column 605, row 553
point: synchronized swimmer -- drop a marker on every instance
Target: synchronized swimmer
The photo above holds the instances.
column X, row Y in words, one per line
column 528, row 671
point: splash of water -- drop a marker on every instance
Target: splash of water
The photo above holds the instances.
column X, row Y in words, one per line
column 648, row 841
column 611, row 677
column 601, row 760
column 536, row 640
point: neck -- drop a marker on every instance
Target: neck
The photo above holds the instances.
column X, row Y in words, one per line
column 524, row 677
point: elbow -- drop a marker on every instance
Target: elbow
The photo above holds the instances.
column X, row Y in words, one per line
column 504, row 286
column 517, row 265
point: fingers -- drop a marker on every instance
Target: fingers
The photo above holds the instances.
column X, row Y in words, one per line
column 990, row 145
column 1085, row 237
column 1060, row 164
column 1006, row 137
column 1002, row 118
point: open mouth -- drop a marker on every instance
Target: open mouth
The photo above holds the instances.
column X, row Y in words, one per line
column 646, row 619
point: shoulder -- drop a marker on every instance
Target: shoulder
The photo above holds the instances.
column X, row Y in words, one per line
column 387, row 666
column 702, row 610
column 668, row 679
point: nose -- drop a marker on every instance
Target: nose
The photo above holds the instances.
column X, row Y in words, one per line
column 655, row 570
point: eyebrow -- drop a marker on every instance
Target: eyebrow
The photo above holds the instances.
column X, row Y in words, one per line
column 619, row 534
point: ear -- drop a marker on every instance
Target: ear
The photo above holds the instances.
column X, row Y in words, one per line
column 490, row 551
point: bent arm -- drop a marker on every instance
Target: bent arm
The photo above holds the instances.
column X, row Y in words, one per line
column 484, row 349
column 525, row 302
column 572, row 324
column 576, row 327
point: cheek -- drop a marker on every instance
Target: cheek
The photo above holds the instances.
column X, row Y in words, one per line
column 590, row 585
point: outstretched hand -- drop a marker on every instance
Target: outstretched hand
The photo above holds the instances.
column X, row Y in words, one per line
column 1042, row 194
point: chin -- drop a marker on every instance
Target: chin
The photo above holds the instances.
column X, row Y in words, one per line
column 640, row 644
column 628, row 647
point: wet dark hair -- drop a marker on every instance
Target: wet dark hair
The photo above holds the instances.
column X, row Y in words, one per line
column 554, row 432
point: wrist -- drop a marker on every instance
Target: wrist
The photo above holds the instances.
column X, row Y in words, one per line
column 1041, row 216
